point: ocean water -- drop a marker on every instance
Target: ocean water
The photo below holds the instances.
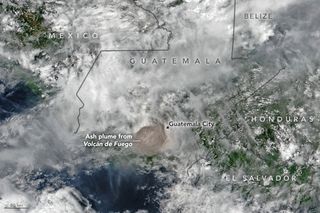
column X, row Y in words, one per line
column 108, row 188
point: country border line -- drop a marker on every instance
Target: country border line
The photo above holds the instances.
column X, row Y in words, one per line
column 170, row 36
column 233, row 33
column 244, row 99
column 91, row 68
column 263, row 85
column 157, row 23
column 77, row 93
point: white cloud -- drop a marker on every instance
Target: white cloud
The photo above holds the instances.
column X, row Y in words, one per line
column 64, row 200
